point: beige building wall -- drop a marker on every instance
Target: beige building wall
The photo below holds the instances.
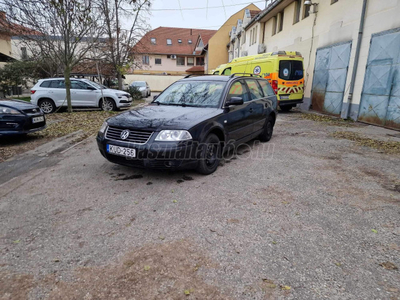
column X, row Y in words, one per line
column 217, row 45
column 168, row 65
column 334, row 23
column 5, row 44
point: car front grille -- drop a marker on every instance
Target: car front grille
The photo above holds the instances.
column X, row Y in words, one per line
column 135, row 136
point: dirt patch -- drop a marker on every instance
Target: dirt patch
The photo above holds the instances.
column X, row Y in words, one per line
column 136, row 176
column 15, row 286
column 328, row 120
column 389, row 147
column 166, row 271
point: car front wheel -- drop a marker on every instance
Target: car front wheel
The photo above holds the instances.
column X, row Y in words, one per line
column 210, row 155
column 108, row 104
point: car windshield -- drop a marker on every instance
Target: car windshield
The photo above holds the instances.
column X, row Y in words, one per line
column 96, row 85
column 193, row 93
column 139, row 83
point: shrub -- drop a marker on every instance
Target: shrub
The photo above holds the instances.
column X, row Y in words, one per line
column 134, row 92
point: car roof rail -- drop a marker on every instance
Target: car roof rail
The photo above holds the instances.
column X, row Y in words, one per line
column 190, row 75
column 243, row 74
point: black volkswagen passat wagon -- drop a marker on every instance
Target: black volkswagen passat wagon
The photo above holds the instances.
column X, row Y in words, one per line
column 191, row 123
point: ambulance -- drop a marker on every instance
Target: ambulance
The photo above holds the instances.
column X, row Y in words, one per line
column 219, row 69
column 283, row 69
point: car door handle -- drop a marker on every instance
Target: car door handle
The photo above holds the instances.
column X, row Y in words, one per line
column 251, row 110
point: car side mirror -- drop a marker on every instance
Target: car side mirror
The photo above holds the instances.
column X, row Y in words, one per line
column 155, row 97
column 234, row 101
column 89, row 87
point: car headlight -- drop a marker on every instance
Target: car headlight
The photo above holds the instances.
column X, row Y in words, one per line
column 173, row 135
column 9, row 111
column 103, row 128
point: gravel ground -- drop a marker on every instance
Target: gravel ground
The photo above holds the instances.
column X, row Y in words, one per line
column 306, row 216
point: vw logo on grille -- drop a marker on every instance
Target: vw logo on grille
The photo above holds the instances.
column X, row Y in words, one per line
column 124, row 134
column 34, row 110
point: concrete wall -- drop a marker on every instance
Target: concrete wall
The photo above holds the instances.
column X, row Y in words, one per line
column 218, row 53
column 157, row 83
column 334, row 23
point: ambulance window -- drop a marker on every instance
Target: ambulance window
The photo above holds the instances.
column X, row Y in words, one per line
column 255, row 90
column 268, row 91
column 216, row 73
column 290, row 69
column 227, row 71
column 238, row 90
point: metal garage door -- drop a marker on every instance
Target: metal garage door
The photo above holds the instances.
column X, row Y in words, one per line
column 330, row 75
column 380, row 100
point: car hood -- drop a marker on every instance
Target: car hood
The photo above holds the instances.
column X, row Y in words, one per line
column 158, row 117
column 17, row 104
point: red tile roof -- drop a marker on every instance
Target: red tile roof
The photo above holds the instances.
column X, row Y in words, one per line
column 161, row 34
column 254, row 13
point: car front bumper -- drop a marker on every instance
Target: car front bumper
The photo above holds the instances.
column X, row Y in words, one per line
column 153, row 155
column 13, row 125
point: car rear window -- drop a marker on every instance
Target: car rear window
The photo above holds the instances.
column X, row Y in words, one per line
column 45, row 84
column 57, row 84
column 290, row 69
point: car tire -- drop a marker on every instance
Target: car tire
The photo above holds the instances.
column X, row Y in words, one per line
column 47, row 105
column 266, row 135
column 210, row 155
column 108, row 104
column 286, row 108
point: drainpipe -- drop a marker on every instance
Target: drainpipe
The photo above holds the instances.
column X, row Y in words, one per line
column 356, row 60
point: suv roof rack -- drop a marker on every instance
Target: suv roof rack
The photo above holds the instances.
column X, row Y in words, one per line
column 249, row 74
column 190, row 75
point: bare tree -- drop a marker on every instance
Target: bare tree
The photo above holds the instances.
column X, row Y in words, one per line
column 63, row 31
column 118, row 49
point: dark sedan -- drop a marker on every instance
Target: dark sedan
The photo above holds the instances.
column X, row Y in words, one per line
column 191, row 124
column 20, row 117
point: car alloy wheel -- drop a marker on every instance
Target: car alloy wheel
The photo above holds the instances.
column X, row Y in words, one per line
column 47, row 106
column 107, row 105
column 209, row 155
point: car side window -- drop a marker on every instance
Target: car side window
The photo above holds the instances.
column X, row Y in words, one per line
column 238, row 89
column 268, row 91
column 45, row 84
column 227, row 71
column 255, row 90
column 77, row 85
column 57, row 84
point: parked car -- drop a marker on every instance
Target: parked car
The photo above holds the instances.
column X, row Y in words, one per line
column 191, row 124
column 20, row 117
column 143, row 87
column 50, row 93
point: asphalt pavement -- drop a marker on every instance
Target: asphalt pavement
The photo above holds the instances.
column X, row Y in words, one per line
column 305, row 216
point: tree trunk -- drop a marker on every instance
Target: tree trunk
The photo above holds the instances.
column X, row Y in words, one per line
column 67, row 73
column 119, row 76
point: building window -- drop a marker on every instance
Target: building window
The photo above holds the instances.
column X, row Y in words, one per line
column 180, row 61
column 179, row 41
column 190, row 61
column 153, row 41
column 189, row 41
column 199, row 61
column 274, row 25
column 280, row 27
column 24, row 53
column 157, row 60
column 169, row 42
column 297, row 10
column 244, row 37
column 306, row 11
column 145, row 59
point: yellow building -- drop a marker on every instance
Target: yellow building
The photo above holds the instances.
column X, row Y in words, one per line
column 217, row 53
column 5, row 40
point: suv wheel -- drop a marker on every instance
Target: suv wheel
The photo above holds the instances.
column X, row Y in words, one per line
column 209, row 155
column 107, row 104
column 266, row 135
column 47, row 105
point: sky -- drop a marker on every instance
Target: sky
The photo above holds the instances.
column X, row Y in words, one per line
column 193, row 13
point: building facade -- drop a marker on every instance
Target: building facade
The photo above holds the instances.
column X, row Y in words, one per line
column 174, row 51
column 351, row 53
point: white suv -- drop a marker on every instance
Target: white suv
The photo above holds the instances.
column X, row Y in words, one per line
column 50, row 93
